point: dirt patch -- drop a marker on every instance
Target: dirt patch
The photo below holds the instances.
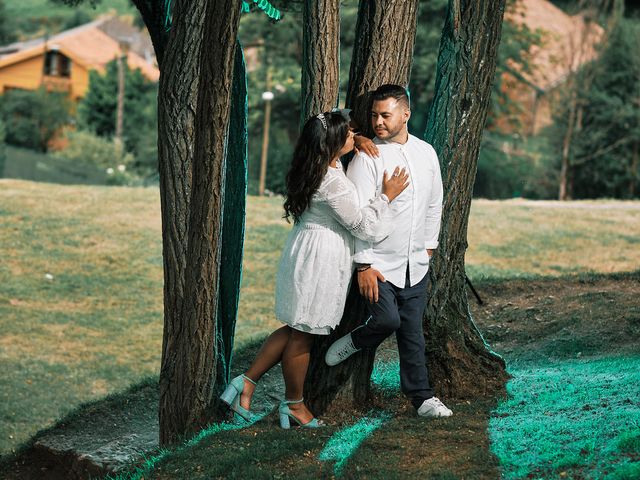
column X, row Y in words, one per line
column 561, row 318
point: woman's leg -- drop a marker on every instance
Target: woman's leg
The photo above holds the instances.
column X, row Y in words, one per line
column 270, row 353
column 295, row 361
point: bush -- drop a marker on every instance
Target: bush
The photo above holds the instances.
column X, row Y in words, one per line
column 3, row 151
column 511, row 167
column 86, row 148
column 97, row 113
column 33, row 118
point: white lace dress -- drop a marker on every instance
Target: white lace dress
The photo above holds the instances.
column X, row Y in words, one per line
column 316, row 264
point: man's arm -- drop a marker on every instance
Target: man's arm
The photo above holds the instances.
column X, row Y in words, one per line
column 363, row 174
column 434, row 209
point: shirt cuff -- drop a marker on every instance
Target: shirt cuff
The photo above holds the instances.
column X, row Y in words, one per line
column 431, row 245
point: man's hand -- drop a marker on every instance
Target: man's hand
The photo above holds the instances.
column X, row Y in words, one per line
column 368, row 284
column 430, row 252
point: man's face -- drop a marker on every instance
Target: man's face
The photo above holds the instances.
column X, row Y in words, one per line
column 389, row 118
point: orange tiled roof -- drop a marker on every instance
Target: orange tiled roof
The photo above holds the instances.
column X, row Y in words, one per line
column 87, row 45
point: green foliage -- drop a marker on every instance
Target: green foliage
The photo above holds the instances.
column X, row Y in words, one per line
column 7, row 34
column 3, row 151
column 39, row 17
column 606, row 148
column 511, row 166
column 282, row 56
column 32, row 119
column 97, row 113
column 108, row 155
column 425, row 56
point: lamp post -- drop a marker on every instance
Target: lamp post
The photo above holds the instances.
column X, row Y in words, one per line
column 267, row 96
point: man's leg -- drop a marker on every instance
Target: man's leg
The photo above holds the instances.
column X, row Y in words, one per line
column 414, row 377
column 383, row 319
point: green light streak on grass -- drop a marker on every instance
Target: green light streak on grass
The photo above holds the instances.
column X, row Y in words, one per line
column 150, row 462
column 386, row 376
column 581, row 417
column 343, row 444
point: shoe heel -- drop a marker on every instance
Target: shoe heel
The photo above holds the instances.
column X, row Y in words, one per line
column 229, row 395
column 284, row 421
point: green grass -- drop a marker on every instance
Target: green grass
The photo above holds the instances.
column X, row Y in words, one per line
column 571, row 419
column 95, row 327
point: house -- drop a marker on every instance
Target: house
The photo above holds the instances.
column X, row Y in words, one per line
column 63, row 61
column 568, row 42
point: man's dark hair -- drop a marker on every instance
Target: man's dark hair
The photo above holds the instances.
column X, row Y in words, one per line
column 390, row 90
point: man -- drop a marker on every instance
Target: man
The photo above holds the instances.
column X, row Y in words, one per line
column 392, row 273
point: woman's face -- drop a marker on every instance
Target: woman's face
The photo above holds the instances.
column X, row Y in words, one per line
column 348, row 144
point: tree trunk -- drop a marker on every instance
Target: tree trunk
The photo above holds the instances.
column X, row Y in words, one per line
column 194, row 105
column 565, row 169
column 382, row 52
column 321, row 56
column 460, row 362
column 376, row 60
column 633, row 177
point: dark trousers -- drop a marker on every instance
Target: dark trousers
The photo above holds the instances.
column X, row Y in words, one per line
column 400, row 310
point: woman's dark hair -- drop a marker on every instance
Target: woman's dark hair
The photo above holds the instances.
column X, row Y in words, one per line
column 317, row 146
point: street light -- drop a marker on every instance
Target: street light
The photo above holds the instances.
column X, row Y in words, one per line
column 267, row 96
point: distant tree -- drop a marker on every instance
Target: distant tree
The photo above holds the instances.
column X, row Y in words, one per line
column 606, row 156
column 568, row 110
column 97, row 112
column 7, row 29
column 33, row 118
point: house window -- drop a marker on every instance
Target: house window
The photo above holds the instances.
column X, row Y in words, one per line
column 57, row 64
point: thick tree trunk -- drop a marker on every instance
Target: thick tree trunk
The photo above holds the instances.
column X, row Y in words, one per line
column 382, row 53
column 460, row 362
column 194, row 105
column 385, row 34
column 320, row 56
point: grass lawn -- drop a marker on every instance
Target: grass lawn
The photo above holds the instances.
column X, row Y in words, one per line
column 81, row 284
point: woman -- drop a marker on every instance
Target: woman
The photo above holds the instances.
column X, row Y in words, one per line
column 315, row 267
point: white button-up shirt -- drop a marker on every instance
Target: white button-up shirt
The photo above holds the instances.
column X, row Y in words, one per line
column 415, row 212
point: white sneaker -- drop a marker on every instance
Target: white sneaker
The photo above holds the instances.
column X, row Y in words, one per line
column 433, row 407
column 340, row 350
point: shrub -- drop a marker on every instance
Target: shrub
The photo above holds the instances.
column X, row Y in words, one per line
column 89, row 149
column 33, row 118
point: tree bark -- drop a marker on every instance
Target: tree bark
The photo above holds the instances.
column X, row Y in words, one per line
column 321, row 57
column 460, row 362
column 382, row 52
column 385, row 33
column 194, row 105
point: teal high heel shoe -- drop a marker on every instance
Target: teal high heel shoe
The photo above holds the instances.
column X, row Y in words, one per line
column 286, row 415
column 231, row 396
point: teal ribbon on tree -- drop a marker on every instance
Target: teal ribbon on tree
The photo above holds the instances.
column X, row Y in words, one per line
column 264, row 5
